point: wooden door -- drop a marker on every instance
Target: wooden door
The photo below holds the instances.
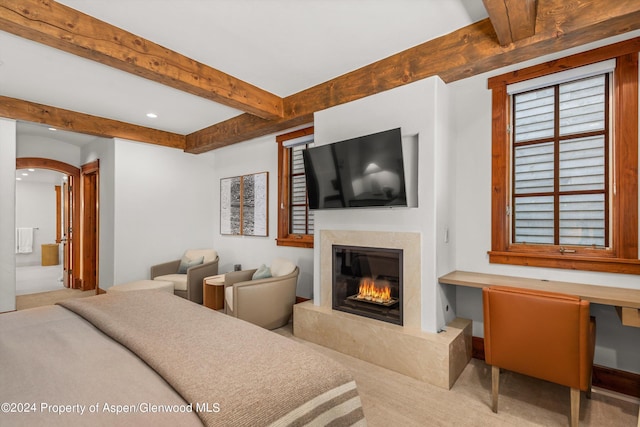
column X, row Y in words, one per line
column 89, row 182
column 67, row 258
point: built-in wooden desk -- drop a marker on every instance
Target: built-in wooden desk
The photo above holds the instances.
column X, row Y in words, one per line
column 626, row 301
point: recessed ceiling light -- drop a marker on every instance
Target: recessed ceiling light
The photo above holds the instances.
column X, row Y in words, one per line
column 24, row 174
column 152, row 115
column 18, row 179
column 53, row 129
column 31, row 170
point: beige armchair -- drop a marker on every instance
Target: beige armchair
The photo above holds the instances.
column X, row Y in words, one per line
column 266, row 302
column 187, row 273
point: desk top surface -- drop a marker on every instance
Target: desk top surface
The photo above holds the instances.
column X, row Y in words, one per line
column 593, row 293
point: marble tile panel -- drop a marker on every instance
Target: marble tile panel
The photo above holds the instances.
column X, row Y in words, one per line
column 437, row 359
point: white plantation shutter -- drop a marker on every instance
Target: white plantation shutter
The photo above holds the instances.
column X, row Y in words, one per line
column 534, row 115
column 560, row 185
column 301, row 217
column 534, row 219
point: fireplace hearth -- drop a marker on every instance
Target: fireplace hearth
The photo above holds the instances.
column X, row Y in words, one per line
column 368, row 282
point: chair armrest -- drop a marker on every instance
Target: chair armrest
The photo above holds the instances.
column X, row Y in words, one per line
column 195, row 277
column 256, row 282
column 234, row 277
column 170, row 267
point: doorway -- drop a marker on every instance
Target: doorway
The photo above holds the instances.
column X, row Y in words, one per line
column 78, row 219
column 37, row 219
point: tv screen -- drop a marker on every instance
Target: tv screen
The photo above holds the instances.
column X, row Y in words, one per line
column 359, row 172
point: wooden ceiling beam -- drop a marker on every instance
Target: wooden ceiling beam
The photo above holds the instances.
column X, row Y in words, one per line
column 469, row 51
column 238, row 129
column 84, row 123
column 67, row 29
column 512, row 20
column 560, row 25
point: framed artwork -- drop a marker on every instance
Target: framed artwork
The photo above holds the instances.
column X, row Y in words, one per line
column 230, row 205
column 244, row 205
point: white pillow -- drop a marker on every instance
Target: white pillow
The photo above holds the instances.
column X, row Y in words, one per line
column 209, row 255
column 281, row 267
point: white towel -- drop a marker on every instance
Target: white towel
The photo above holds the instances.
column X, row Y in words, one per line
column 24, row 240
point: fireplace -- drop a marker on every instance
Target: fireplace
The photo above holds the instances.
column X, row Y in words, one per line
column 434, row 358
column 368, row 282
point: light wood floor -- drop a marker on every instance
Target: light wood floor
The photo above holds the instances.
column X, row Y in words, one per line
column 49, row 298
column 391, row 399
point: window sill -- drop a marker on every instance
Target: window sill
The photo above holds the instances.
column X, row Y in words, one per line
column 607, row 265
column 299, row 241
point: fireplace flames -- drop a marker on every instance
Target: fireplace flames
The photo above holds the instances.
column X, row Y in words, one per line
column 370, row 291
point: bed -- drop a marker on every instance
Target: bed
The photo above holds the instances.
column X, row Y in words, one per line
column 150, row 358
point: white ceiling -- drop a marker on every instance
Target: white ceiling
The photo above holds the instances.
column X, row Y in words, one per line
column 39, row 176
column 282, row 46
column 45, row 132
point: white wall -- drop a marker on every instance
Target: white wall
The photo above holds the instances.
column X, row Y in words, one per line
column 37, row 146
column 257, row 155
column 617, row 345
column 164, row 203
column 7, row 214
column 36, row 207
column 418, row 109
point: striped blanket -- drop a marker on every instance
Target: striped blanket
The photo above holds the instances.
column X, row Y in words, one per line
column 231, row 372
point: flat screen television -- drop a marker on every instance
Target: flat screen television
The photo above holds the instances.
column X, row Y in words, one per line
column 360, row 172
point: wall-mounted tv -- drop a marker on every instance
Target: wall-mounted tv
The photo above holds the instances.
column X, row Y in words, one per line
column 360, row 172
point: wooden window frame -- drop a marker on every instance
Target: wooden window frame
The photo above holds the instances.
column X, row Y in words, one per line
column 285, row 237
column 622, row 254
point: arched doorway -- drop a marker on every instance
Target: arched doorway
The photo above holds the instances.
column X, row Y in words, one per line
column 79, row 233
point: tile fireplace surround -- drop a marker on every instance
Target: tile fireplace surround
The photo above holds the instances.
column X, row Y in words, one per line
column 436, row 358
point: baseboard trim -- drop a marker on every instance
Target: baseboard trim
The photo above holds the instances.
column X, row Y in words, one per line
column 477, row 348
column 607, row 378
column 616, row 380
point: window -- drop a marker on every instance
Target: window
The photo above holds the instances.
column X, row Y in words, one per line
column 295, row 220
column 560, row 164
column 565, row 163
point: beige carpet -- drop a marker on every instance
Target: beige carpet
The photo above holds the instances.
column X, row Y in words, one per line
column 390, row 399
column 49, row 298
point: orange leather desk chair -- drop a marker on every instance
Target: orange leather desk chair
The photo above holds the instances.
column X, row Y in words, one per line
column 541, row 334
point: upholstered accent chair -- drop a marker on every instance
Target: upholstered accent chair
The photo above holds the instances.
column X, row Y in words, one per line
column 541, row 334
column 187, row 273
column 267, row 300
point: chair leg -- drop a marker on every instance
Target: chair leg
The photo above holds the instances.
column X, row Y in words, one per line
column 495, row 384
column 575, row 407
